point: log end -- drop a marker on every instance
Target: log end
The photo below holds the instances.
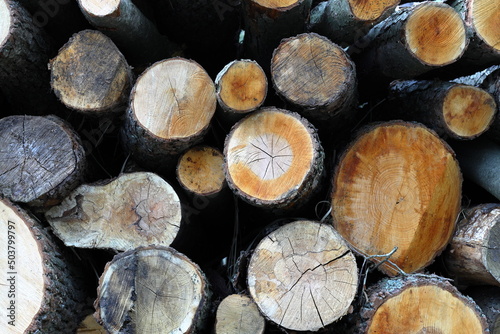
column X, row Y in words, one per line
column 100, row 8
column 367, row 10
column 486, row 21
column 5, row 21
column 239, row 314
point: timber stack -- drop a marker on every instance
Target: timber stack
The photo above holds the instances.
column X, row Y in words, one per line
column 253, row 166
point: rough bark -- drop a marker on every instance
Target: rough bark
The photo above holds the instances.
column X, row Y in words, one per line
column 171, row 106
column 44, row 290
column 488, row 299
column 24, row 54
column 345, row 21
column 303, row 276
column 473, row 256
column 238, row 314
column 266, row 22
column 130, row 29
column 397, row 185
column 263, row 163
column 453, row 110
column 152, row 290
column 42, row 159
column 416, row 304
column 136, row 209
column 90, row 75
column 316, row 77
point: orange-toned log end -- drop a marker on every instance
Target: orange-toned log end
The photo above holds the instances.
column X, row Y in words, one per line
column 420, row 305
column 397, row 185
column 369, row 10
column 273, row 158
column 486, row 21
column 241, row 86
column 277, row 4
column 201, row 170
column 435, row 34
column 468, row 111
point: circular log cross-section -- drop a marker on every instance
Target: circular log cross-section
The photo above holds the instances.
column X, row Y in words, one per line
column 397, row 185
column 273, row 159
column 238, row 314
column 315, row 75
column 90, row 75
column 421, row 306
column 42, row 159
column 171, row 106
column 152, row 290
column 303, row 276
column 136, row 209
column 486, row 20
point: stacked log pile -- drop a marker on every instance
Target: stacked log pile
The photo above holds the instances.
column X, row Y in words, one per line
column 253, row 166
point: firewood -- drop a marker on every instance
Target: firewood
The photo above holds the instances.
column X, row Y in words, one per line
column 90, row 75
column 241, row 88
column 453, row 110
column 303, row 276
column 42, row 160
column 416, row 304
column 171, row 106
column 316, row 77
column 43, row 289
column 152, row 290
column 24, row 54
column 238, row 314
column 397, row 185
column 488, row 299
column 89, row 325
column 346, row 21
column 266, row 22
column 273, row 159
column 136, row 209
column 473, row 253
column 130, row 29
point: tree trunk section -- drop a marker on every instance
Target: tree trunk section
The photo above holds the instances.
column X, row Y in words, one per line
column 453, row 110
column 136, row 209
column 170, row 110
column 303, row 276
column 488, row 299
column 89, row 325
column 45, row 160
column 44, row 291
column 415, row 304
column 241, row 88
column 473, row 256
column 397, row 185
column 346, row 21
column 24, row 54
column 266, row 22
column 263, row 166
column 152, row 290
column 90, row 75
column 130, row 29
column 238, row 314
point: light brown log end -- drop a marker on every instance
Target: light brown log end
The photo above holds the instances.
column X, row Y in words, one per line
column 468, row 111
column 303, row 276
column 238, row 314
column 486, row 21
column 369, row 10
column 100, row 7
column 89, row 325
column 397, row 185
column 277, row 4
column 435, row 34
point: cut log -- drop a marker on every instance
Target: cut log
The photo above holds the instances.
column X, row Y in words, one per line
column 89, row 325
column 346, row 21
column 136, row 209
column 90, row 75
column 452, row 110
column 24, row 54
column 43, row 289
column 274, row 159
column 297, row 66
column 303, row 276
column 267, row 22
column 415, row 304
column 130, row 29
column 171, row 106
column 488, row 299
column 241, row 88
column 473, row 256
column 42, row 159
column 397, row 185
column 238, row 314
column 152, row 290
